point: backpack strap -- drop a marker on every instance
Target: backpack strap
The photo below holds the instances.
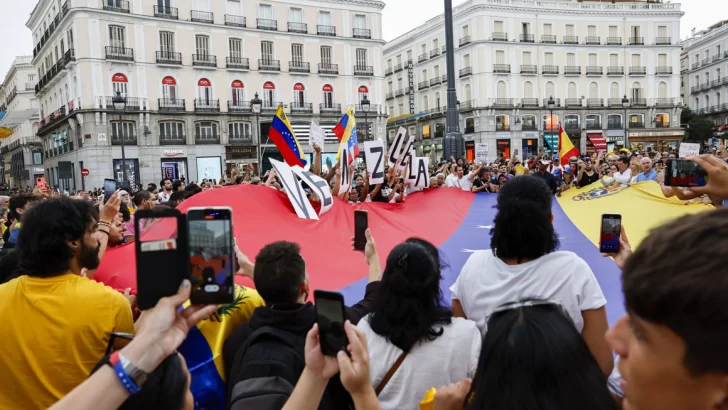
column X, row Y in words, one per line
column 390, row 373
column 291, row 339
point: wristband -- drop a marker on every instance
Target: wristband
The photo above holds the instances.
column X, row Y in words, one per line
column 121, row 374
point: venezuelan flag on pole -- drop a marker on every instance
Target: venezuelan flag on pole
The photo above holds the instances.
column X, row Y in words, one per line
column 566, row 148
column 283, row 136
column 345, row 131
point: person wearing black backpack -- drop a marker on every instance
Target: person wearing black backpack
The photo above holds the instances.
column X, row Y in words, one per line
column 264, row 357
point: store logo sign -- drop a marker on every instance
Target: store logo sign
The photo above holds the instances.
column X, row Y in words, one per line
column 173, row 152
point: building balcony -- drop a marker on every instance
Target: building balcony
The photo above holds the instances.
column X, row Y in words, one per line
column 399, row 67
column 573, row 102
column 204, row 139
column 330, row 108
column 69, row 55
column 422, row 57
column 500, row 36
column 435, row 81
column 171, row 105
column 503, row 103
column 423, row 84
column 502, row 127
column 592, row 40
column 204, row 105
column 132, row 103
column 594, row 70
column 529, row 127
column 364, row 70
column 204, row 60
column 615, row 102
column 464, row 72
column 171, row 139
column 129, row 140
column 571, row 39
column 528, row 38
column 444, row 79
column 615, row 125
column 464, row 106
column 374, row 109
column 663, row 41
column 550, row 69
column 663, row 70
column 637, row 70
column 235, row 21
column 529, row 69
column 323, row 30
column 399, row 93
column 299, row 67
column 615, row 70
column 502, row 68
column 389, row 96
column 694, row 89
column 572, row 125
column 548, row 39
column 166, row 12
column 595, row 102
column 614, row 41
column 465, row 41
column 557, row 103
column 434, row 53
column 240, row 63
column 704, row 62
column 301, row 108
column 119, row 6
column 715, row 58
column 636, row 41
column 119, row 53
column 270, row 107
column 639, row 102
column 266, row 24
column 529, row 102
column 696, row 65
column 266, row 64
column 388, row 71
column 239, row 107
column 328, row 68
column 361, row 33
column 572, row 70
column 29, row 86
column 664, row 102
column 636, row 124
column 705, row 85
column 169, row 57
column 294, row 27
column 202, row 17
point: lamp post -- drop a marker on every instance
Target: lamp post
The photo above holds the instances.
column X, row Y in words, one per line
column 551, row 103
column 625, row 104
column 365, row 106
column 257, row 105
column 119, row 102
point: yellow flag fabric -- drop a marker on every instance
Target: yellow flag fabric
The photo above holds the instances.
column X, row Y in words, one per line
column 642, row 206
column 4, row 132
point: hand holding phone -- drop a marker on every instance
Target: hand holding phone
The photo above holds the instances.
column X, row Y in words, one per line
column 361, row 223
column 330, row 316
column 610, row 233
column 211, row 255
column 685, row 173
column 41, row 184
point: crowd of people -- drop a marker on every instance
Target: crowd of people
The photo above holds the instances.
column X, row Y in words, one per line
column 526, row 327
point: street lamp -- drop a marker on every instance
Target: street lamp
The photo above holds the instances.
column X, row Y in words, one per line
column 625, row 104
column 365, row 106
column 257, row 105
column 551, row 104
column 119, row 102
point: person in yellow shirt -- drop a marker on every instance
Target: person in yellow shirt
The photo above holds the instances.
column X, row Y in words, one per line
column 57, row 323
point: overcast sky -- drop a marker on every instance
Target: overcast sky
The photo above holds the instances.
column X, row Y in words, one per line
column 399, row 17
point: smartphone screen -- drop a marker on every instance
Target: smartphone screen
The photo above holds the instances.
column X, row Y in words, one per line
column 361, row 222
column 40, row 183
column 685, row 173
column 109, row 188
column 609, row 237
column 210, row 245
column 330, row 319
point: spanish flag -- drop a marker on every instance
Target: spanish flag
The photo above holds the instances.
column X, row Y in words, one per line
column 345, row 131
column 283, row 136
column 566, row 148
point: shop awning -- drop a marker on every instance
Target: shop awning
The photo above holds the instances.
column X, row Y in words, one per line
column 598, row 140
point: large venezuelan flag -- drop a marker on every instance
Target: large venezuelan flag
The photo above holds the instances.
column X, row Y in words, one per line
column 566, row 147
column 283, row 136
column 345, row 131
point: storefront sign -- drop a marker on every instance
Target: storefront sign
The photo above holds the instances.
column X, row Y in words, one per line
column 173, row 152
column 38, row 170
column 675, row 133
column 240, row 152
column 411, row 81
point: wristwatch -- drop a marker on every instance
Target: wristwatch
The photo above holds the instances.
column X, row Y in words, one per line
column 138, row 375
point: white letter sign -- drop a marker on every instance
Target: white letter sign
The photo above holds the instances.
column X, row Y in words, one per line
column 345, row 181
column 406, row 153
column 294, row 190
column 423, row 177
column 396, row 148
column 374, row 156
column 318, row 184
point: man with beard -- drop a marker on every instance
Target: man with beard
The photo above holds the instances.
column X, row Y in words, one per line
column 56, row 322
column 587, row 174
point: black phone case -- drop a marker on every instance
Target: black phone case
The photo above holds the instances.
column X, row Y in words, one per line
column 217, row 298
column 360, row 238
column 160, row 272
column 326, row 349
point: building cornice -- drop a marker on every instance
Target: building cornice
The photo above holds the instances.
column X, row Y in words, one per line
column 712, row 35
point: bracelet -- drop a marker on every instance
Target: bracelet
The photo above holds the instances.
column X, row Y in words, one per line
column 104, row 223
column 122, row 375
column 103, row 231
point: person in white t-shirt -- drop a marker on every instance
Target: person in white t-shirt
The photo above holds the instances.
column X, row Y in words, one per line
column 409, row 324
column 460, row 180
column 524, row 264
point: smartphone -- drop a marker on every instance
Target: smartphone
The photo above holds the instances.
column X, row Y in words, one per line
column 330, row 318
column 211, row 255
column 685, row 173
column 40, row 183
column 109, row 188
column 609, row 236
column 361, row 223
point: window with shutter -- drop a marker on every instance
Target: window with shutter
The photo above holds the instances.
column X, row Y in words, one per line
column 569, row 29
column 528, row 90
column 614, row 90
column 593, row 90
column 572, row 90
column 593, row 59
column 591, row 31
column 570, row 59
column 501, row 90
column 548, row 29
column 549, row 58
column 500, row 57
column 527, row 58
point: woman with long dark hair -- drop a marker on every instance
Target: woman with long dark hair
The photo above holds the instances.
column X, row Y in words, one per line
column 411, row 333
column 523, row 263
column 534, row 359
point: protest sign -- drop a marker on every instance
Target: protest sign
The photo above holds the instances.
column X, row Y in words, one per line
column 423, row 178
column 406, row 153
column 397, row 145
column 410, row 170
column 316, row 135
column 318, row 185
column 481, row 153
column 294, row 190
column 345, row 181
column 688, row 149
column 374, row 156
